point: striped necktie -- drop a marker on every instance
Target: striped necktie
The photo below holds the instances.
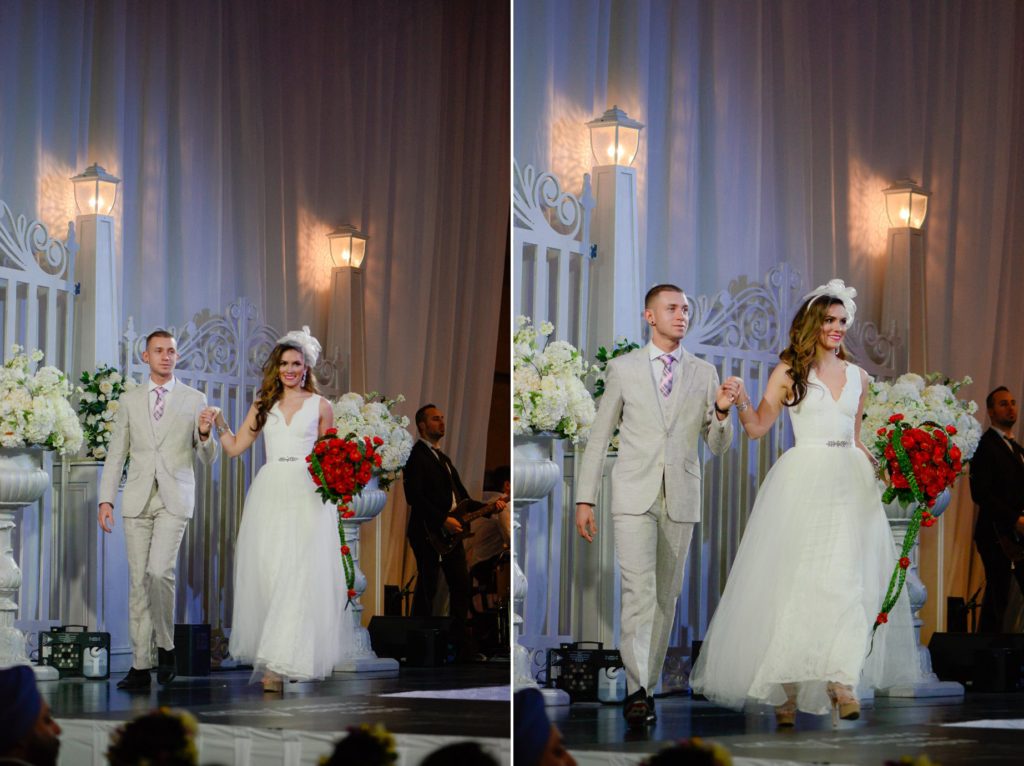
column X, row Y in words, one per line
column 665, row 385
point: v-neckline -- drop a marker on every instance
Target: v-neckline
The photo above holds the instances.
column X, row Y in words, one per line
column 842, row 388
column 287, row 422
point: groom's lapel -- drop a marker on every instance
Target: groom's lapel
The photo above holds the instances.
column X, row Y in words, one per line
column 174, row 401
column 647, row 385
column 681, row 385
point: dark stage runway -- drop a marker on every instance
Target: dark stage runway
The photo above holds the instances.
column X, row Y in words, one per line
column 888, row 729
column 468, row 702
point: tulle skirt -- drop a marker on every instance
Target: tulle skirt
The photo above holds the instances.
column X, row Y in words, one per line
column 289, row 611
column 805, row 588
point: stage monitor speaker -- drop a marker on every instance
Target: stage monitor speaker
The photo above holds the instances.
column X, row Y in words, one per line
column 393, row 637
column 192, row 649
column 982, row 662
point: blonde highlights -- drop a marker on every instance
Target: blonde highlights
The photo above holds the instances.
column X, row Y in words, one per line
column 804, row 334
column 272, row 388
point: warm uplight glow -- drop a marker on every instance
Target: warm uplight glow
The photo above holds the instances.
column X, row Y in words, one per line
column 95, row 191
column 348, row 246
column 615, row 138
column 906, row 204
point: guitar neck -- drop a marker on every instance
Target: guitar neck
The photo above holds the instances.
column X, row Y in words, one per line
column 489, row 508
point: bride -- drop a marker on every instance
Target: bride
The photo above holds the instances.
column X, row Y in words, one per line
column 794, row 625
column 288, row 618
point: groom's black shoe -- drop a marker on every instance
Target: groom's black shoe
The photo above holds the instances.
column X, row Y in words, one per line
column 167, row 667
column 636, row 710
column 135, row 681
column 652, row 715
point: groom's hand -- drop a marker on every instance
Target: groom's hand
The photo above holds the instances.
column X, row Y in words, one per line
column 586, row 525
column 727, row 395
column 106, row 517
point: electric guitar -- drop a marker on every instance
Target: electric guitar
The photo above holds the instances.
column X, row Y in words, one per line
column 466, row 511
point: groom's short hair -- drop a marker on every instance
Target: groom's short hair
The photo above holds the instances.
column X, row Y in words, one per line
column 990, row 400
column 421, row 414
column 158, row 334
column 655, row 291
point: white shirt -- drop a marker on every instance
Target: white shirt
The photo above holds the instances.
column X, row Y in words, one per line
column 658, row 366
column 433, row 451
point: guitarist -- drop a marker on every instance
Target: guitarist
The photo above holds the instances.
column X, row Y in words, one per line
column 997, row 486
column 433, row 489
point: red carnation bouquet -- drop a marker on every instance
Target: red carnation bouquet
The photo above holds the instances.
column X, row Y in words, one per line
column 921, row 462
column 341, row 467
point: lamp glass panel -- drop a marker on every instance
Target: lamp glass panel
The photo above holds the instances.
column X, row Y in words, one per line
column 358, row 251
column 95, row 196
column 629, row 144
column 341, row 249
column 602, row 143
column 897, row 208
column 918, row 210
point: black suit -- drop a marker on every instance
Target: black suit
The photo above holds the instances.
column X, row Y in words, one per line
column 997, row 486
column 431, row 483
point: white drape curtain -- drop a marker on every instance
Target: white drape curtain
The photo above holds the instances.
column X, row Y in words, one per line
column 771, row 129
column 245, row 132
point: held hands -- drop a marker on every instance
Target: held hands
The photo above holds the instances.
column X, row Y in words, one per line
column 106, row 517
column 586, row 524
column 729, row 393
column 206, row 419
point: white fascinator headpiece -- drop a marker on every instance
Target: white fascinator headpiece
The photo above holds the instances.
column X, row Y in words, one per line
column 836, row 288
column 310, row 346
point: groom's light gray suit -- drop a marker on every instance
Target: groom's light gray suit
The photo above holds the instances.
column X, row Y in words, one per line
column 655, row 488
column 158, row 501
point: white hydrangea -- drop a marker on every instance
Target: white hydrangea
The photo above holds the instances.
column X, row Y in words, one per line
column 549, row 394
column 372, row 416
column 34, row 406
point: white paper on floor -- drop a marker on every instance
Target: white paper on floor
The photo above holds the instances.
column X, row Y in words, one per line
column 487, row 693
column 991, row 723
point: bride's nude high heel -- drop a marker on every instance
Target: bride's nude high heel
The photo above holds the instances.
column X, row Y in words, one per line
column 272, row 683
column 844, row 703
column 785, row 714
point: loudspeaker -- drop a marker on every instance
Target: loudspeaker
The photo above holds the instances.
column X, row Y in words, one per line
column 419, row 640
column 192, row 649
column 991, row 662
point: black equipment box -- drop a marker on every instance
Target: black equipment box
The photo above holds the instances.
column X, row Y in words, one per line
column 74, row 651
column 192, row 649
column 586, row 675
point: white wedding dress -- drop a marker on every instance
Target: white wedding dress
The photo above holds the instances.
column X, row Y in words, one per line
column 290, row 594
column 810, row 574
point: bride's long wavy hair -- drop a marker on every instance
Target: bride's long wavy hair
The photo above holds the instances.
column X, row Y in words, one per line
column 802, row 350
column 272, row 388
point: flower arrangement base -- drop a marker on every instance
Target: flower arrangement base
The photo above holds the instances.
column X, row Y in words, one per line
column 22, row 482
column 359, row 656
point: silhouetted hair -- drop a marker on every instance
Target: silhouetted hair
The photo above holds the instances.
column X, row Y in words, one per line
column 361, row 747
column 421, row 414
column 990, row 400
column 158, row 334
column 460, row 754
column 803, row 343
column 158, row 737
column 655, row 291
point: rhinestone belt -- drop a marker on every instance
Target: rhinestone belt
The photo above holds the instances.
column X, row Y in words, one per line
column 288, row 459
column 838, row 444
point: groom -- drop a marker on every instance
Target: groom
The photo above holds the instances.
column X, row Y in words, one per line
column 661, row 398
column 160, row 425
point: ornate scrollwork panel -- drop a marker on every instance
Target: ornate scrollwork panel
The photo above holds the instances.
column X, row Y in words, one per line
column 539, row 204
column 26, row 246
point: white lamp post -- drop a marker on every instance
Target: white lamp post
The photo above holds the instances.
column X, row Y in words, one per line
column 906, row 204
column 346, row 335
column 97, row 307
column 615, row 274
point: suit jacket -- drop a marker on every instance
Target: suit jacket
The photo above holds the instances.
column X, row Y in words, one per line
column 997, row 486
column 428, row 490
column 654, row 448
column 163, row 452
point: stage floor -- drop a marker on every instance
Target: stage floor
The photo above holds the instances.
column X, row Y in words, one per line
column 888, row 729
column 225, row 702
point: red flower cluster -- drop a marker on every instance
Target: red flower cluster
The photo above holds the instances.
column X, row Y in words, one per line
column 934, row 460
column 341, row 467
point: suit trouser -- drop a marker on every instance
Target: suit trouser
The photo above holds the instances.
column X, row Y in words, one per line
column 152, row 539
column 651, row 550
column 998, row 578
column 456, row 574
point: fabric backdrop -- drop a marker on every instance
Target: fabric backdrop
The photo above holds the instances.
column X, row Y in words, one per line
column 771, row 129
column 244, row 132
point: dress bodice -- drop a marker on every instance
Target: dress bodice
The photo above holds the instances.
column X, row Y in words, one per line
column 295, row 439
column 820, row 419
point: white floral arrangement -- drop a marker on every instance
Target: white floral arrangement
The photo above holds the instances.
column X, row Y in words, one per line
column 548, row 390
column 919, row 399
column 372, row 415
column 98, row 405
column 35, row 407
